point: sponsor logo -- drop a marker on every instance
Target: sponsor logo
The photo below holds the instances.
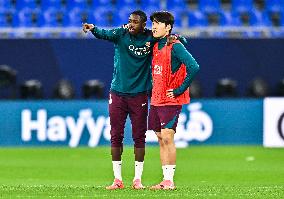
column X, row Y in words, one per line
column 194, row 125
column 280, row 126
column 273, row 124
column 110, row 100
column 56, row 128
column 139, row 51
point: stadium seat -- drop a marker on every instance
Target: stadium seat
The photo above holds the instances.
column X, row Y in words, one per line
column 6, row 18
column 150, row 4
column 55, row 17
column 180, row 17
column 149, row 11
column 103, row 3
column 6, row 4
column 275, row 5
column 249, row 18
column 46, row 4
column 83, row 4
column 242, row 5
column 274, row 17
column 32, row 4
column 171, row 5
column 128, row 3
column 30, row 18
column 178, row 9
column 124, row 13
column 105, row 17
column 77, row 16
column 193, row 4
column 209, row 5
column 196, row 19
column 270, row 19
column 220, row 18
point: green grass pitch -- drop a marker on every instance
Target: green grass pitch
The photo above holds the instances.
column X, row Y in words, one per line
column 202, row 172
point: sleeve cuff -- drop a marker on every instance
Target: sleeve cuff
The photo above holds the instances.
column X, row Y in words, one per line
column 93, row 29
column 176, row 92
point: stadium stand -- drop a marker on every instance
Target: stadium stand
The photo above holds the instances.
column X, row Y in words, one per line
column 57, row 4
column 221, row 18
column 56, row 17
column 242, row 5
column 208, row 6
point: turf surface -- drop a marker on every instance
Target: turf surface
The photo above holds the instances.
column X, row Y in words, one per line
column 202, row 172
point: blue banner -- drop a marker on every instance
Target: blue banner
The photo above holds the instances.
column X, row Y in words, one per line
column 86, row 123
column 78, row 60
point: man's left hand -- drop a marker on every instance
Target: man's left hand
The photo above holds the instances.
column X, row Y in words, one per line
column 171, row 39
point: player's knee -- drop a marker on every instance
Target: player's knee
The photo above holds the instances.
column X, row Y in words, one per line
column 116, row 141
column 159, row 136
column 139, row 142
column 116, row 144
column 160, row 139
column 167, row 139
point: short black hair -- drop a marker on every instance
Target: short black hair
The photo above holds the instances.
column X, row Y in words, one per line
column 140, row 13
column 163, row 17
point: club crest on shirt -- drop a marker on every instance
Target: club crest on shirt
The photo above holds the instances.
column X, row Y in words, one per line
column 157, row 70
column 148, row 44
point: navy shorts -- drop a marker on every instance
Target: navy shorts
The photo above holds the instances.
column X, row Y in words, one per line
column 161, row 117
column 137, row 109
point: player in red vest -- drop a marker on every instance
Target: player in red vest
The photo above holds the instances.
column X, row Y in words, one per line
column 173, row 69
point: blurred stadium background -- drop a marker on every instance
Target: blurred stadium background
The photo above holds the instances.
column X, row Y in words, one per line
column 54, row 83
column 205, row 18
